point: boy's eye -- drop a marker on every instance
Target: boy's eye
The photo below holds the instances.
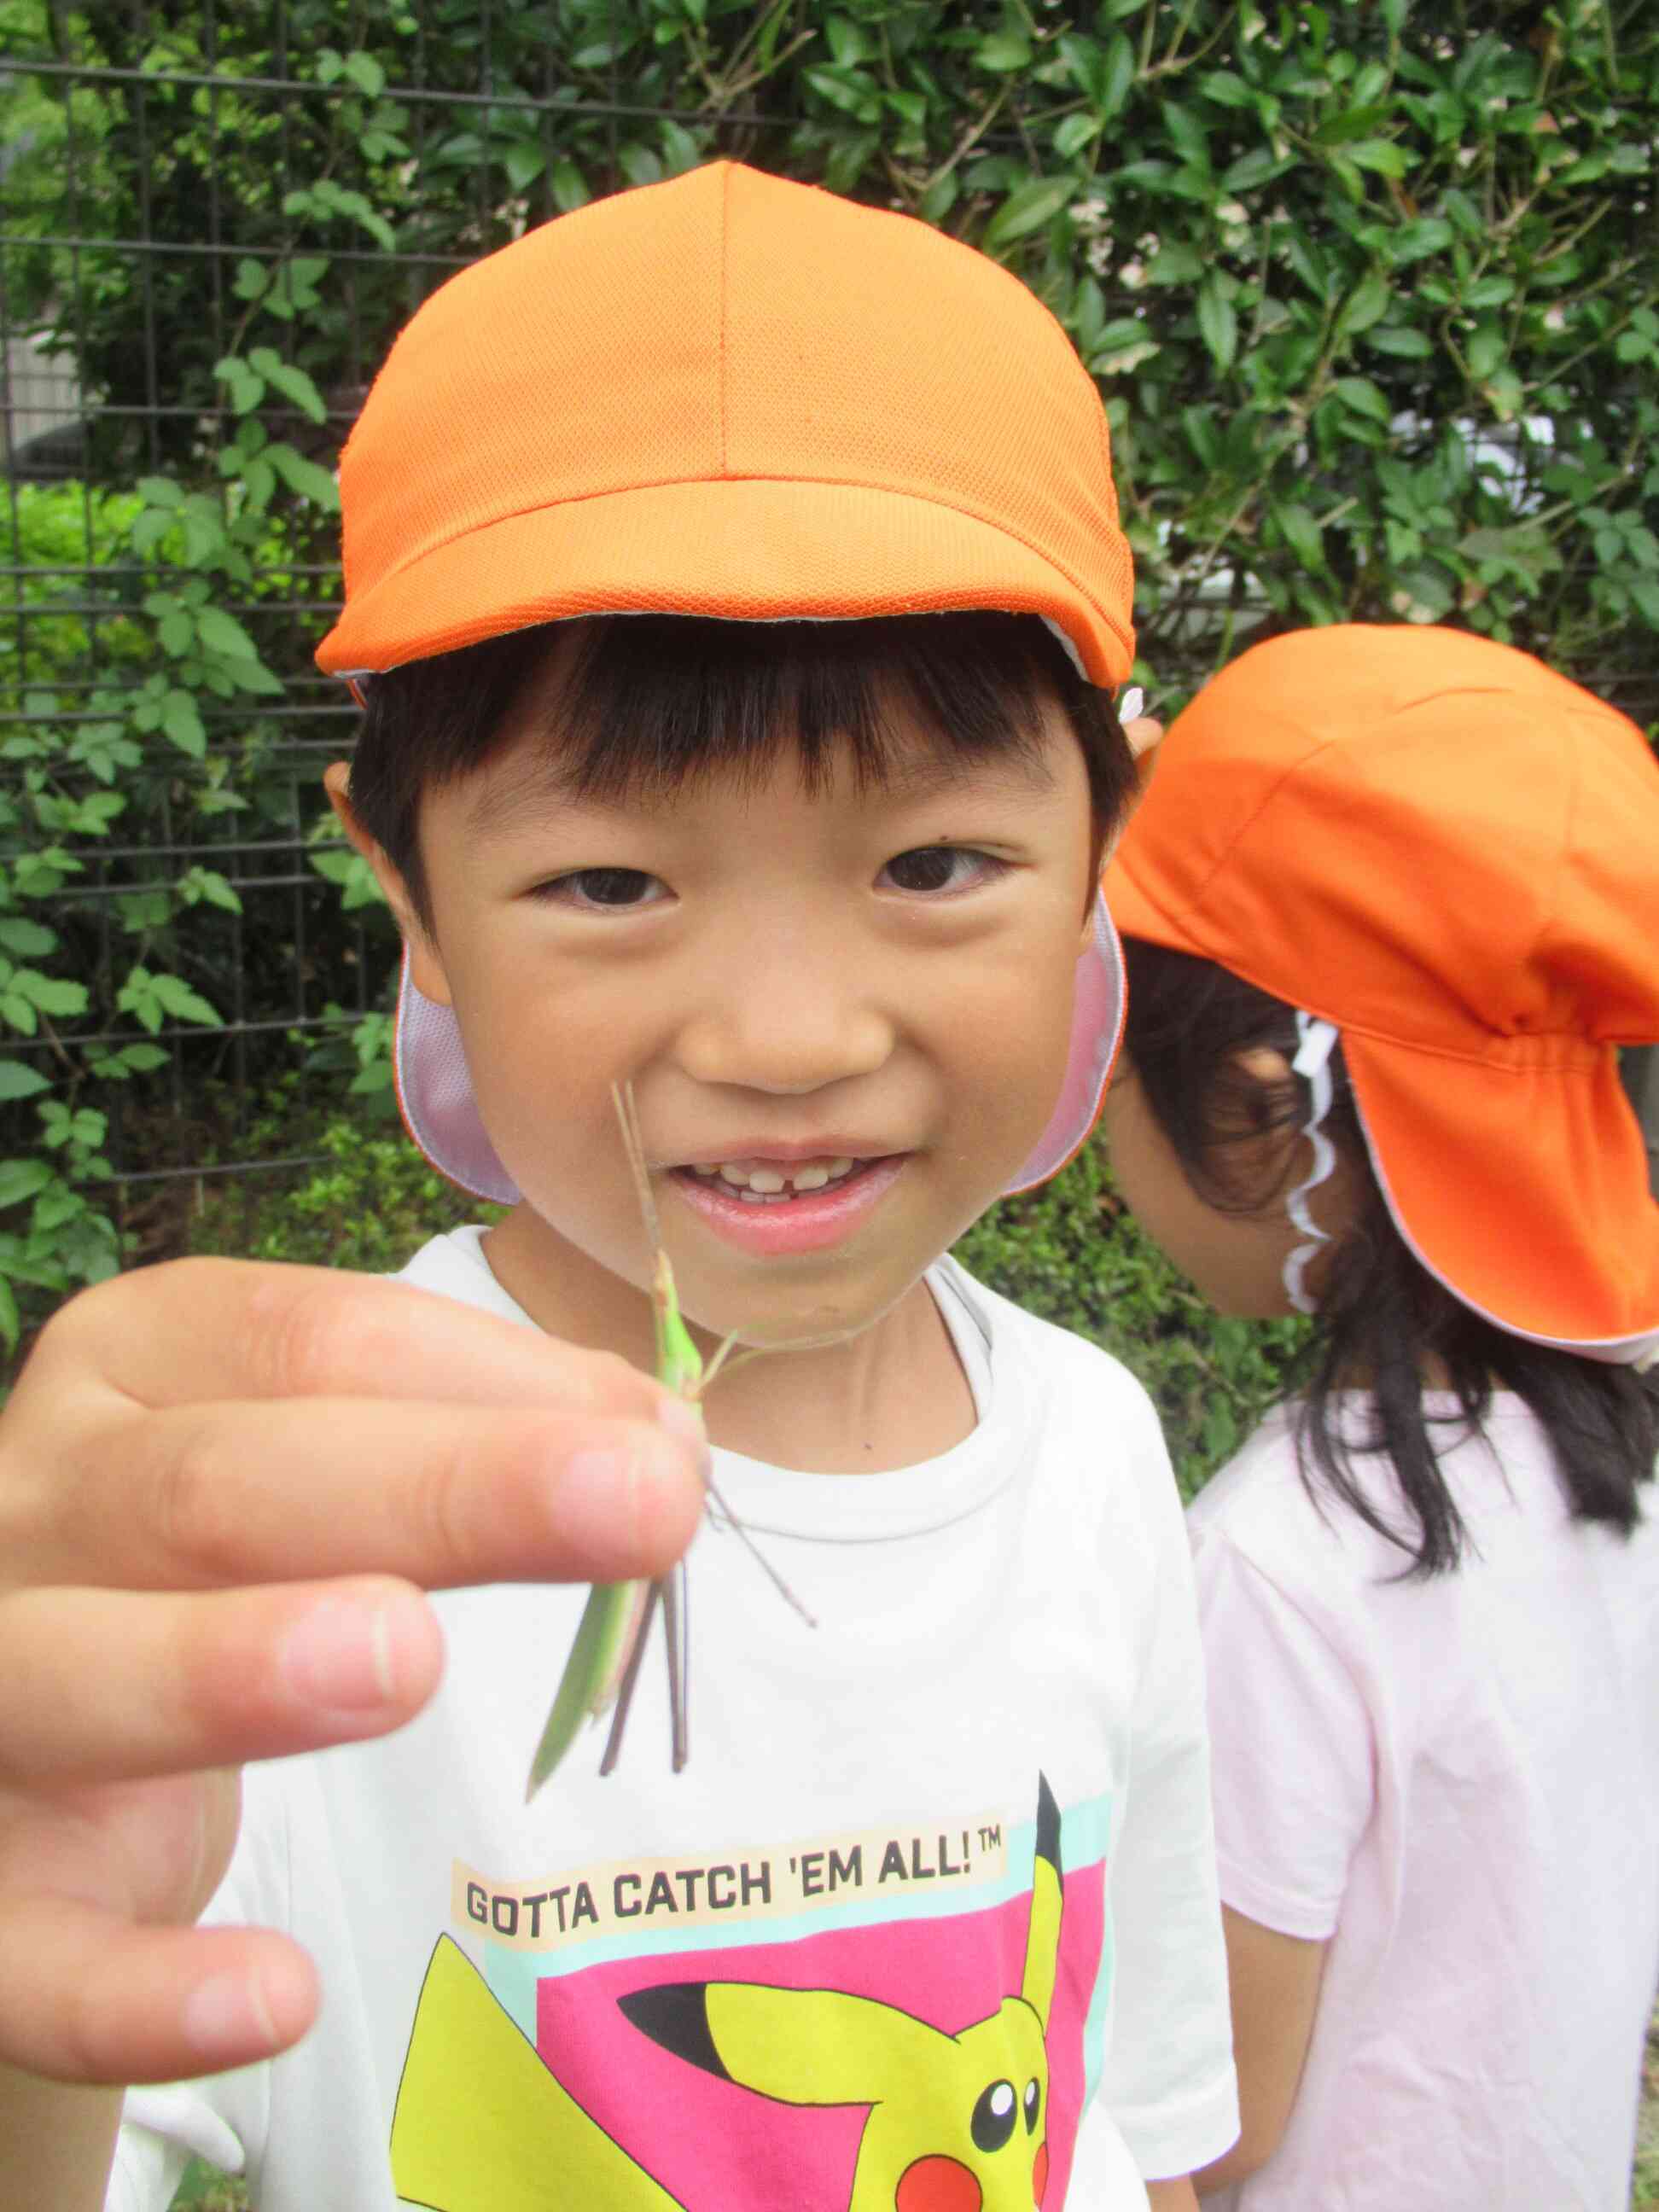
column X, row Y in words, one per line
column 604, row 888
column 942, row 868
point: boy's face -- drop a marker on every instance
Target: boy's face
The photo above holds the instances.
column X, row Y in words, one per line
column 791, row 983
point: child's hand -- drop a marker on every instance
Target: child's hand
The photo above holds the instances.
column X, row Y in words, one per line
column 222, row 1490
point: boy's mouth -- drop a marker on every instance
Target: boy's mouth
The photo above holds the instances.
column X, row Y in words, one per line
column 776, row 1182
column 772, row 1207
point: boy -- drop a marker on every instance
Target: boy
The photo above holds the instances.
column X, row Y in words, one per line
column 729, row 570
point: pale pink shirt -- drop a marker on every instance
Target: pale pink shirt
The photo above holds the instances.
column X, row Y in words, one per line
column 1456, row 1781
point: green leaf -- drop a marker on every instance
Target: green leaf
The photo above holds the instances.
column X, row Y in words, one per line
column 680, row 150
column 183, row 724
column 1185, row 133
column 27, row 940
column 305, row 477
column 19, row 1080
column 1487, row 349
column 940, row 199
column 852, row 91
column 524, row 162
column 247, row 387
column 55, row 997
column 1003, row 50
column 1073, row 133
column 161, row 491
column 1301, row 534
column 366, row 73
column 1026, row 208
column 1226, row 89
column 1217, row 323
column 1416, row 239
column 1366, row 304
column 293, row 383
column 21, row 1179
column 1364, row 397
column 1253, row 170
column 1380, row 154
column 569, row 189
column 639, row 163
column 1117, row 76
column 184, row 1003
column 222, row 632
column 1395, row 338
column 1178, row 264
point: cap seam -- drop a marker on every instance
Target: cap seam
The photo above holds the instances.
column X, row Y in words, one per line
column 725, row 243
column 1240, row 831
column 1552, row 905
column 830, row 483
column 1313, row 1004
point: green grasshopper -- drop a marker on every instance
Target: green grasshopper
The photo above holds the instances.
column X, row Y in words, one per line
column 610, row 1638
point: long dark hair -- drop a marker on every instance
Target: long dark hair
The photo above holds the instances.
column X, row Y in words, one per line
column 1382, row 1320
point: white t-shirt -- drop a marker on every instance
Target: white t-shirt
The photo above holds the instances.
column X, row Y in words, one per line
column 831, row 1953
column 1456, row 1781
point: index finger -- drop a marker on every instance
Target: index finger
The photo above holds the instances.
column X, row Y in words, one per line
column 193, row 1330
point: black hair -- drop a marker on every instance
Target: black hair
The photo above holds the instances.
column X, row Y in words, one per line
column 649, row 702
column 1384, row 1320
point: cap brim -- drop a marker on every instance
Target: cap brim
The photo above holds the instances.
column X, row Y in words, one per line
column 1522, row 1183
column 736, row 548
column 434, row 1090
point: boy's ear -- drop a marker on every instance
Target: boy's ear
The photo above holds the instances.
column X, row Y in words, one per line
column 426, row 969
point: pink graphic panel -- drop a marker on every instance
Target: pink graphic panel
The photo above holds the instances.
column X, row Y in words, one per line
column 713, row 2143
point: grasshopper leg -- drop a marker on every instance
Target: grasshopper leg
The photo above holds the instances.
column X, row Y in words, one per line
column 625, row 1688
column 676, row 1621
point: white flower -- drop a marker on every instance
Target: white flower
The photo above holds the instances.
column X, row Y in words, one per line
column 1231, row 212
column 1099, row 256
column 1410, row 610
column 1555, row 318
column 1133, row 276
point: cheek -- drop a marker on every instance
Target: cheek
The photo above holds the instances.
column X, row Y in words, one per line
column 937, row 2185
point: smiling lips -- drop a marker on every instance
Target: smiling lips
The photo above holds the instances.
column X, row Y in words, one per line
column 775, row 1182
column 769, row 1205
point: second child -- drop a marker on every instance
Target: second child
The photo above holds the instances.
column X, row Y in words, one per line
column 1390, row 907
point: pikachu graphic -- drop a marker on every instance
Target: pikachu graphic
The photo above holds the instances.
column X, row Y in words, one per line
column 954, row 2123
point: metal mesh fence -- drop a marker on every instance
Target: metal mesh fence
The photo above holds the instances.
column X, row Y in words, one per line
column 166, row 176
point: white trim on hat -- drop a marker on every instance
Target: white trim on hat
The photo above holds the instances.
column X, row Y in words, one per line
column 1640, row 1350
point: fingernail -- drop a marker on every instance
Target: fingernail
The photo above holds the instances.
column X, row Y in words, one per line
column 226, row 2018
column 339, row 1656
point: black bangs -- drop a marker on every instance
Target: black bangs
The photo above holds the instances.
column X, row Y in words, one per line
column 645, row 703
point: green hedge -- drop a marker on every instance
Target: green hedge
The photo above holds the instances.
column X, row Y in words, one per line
column 1371, row 289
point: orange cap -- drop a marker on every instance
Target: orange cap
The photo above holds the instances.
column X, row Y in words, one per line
column 728, row 395
column 1451, row 853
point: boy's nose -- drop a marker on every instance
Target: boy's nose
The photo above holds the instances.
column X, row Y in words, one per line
column 774, row 1026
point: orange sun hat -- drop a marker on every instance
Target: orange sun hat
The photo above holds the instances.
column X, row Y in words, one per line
column 1451, row 854
column 729, row 395
column 737, row 397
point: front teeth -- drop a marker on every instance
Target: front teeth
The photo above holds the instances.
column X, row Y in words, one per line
column 773, row 1186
